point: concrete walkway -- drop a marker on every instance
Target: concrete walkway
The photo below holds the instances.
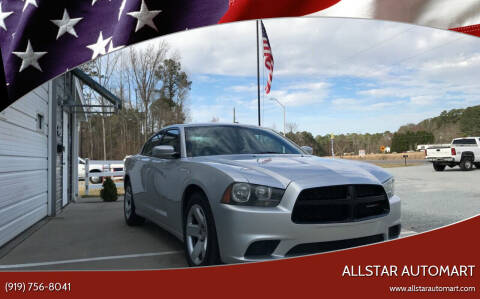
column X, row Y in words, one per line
column 92, row 235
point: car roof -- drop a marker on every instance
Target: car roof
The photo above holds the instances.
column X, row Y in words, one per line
column 211, row 125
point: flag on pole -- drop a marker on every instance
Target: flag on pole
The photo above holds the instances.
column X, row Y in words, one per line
column 268, row 58
column 42, row 39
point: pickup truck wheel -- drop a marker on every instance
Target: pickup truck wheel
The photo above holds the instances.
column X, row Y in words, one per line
column 95, row 179
column 477, row 165
column 129, row 208
column 200, row 235
column 466, row 164
column 439, row 167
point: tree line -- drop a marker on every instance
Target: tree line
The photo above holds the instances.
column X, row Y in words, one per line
column 441, row 129
column 153, row 89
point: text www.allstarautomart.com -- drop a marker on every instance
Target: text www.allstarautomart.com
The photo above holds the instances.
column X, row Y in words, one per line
column 415, row 288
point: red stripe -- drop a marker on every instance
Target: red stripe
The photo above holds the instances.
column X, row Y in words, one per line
column 472, row 29
column 258, row 9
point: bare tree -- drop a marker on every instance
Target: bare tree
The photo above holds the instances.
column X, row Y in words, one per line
column 292, row 127
column 143, row 63
column 102, row 69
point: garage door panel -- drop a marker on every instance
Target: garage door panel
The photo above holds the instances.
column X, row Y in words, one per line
column 41, row 92
column 20, row 186
column 23, row 163
column 17, row 141
column 31, row 105
column 21, row 208
column 20, row 119
column 12, row 229
column 13, row 164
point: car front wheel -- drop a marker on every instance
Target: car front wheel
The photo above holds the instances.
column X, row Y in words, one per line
column 200, row 236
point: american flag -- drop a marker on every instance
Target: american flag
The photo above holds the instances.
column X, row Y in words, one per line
column 268, row 58
column 41, row 39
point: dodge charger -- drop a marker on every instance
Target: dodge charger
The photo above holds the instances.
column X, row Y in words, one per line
column 237, row 193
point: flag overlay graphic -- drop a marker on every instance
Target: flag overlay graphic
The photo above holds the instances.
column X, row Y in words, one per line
column 42, row 39
column 268, row 58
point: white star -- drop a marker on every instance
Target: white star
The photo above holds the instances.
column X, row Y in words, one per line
column 29, row 57
column 98, row 48
column 66, row 24
column 3, row 16
column 122, row 7
column 33, row 2
column 144, row 16
column 111, row 48
column 95, row 1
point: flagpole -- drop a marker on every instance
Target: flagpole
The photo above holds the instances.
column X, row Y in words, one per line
column 258, row 78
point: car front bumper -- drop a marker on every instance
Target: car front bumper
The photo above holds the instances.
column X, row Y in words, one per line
column 239, row 226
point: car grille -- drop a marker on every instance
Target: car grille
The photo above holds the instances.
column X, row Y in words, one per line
column 318, row 247
column 342, row 203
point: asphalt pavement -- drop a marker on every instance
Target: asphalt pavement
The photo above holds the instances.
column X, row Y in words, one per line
column 431, row 199
column 92, row 235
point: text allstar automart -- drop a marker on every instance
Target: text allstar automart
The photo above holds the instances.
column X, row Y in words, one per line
column 408, row 270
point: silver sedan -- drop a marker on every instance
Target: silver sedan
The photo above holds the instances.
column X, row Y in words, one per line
column 237, row 193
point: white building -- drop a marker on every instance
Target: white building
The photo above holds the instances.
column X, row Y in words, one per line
column 39, row 152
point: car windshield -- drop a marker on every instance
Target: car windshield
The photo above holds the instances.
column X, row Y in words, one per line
column 232, row 140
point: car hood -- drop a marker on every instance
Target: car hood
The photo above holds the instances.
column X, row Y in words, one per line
column 307, row 171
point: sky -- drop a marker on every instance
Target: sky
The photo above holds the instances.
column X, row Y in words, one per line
column 334, row 75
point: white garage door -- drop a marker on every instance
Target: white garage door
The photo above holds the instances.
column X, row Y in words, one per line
column 23, row 163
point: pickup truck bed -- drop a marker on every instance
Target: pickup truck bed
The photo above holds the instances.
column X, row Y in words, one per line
column 463, row 152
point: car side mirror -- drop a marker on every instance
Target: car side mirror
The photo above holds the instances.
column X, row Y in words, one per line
column 163, row 151
column 307, row 149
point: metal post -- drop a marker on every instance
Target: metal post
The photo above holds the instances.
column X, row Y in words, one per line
column 284, row 109
column 87, row 168
column 258, row 78
column 52, row 148
column 331, row 139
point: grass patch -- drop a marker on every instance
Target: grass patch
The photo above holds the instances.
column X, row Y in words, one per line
column 96, row 192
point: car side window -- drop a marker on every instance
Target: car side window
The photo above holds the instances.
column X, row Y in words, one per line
column 171, row 137
column 154, row 141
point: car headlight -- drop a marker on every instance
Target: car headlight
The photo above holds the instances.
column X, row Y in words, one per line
column 252, row 195
column 389, row 186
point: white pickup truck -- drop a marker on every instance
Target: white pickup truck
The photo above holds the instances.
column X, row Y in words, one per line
column 97, row 166
column 464, row 152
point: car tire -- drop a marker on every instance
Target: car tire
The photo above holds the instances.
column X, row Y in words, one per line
column 439, row 167
column 466, row 164
column 95, row 179
column 200, row 239
column 131, row 218
column 477, row 165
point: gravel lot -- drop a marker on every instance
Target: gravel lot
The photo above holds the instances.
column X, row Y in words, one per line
column 433, row 199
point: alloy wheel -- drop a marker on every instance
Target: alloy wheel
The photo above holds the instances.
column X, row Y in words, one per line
column 196, row 231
